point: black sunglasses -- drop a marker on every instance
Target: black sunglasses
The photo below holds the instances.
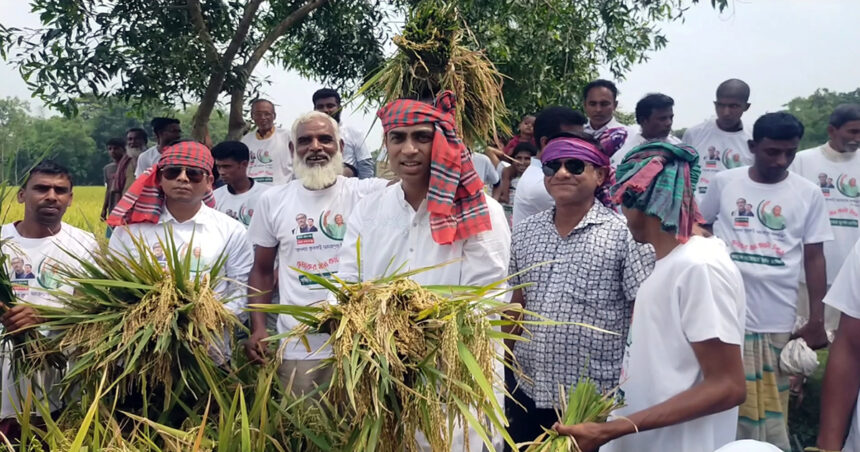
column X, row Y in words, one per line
column 195, row 175
column 573, row 166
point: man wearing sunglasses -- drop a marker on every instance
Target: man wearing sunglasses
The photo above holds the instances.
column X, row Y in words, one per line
column 576, row 286
column 176, row 198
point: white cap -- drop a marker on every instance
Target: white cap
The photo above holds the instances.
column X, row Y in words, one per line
column 748, row 445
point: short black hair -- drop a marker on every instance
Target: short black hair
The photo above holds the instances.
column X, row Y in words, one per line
column 325, row 93
column 116, row 142
column 578, row 135
column 260, row 99
column 654, row 101
column 550, row 120
column 48, row 166
column 138, row 131
column 161, row 123
column 524, row 147
column 844, row 113
column 600, row 83
column 235, row 150
column 777, row 126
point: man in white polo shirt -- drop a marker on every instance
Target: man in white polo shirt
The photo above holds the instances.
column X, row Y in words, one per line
column 280, row 228
column 271, row 162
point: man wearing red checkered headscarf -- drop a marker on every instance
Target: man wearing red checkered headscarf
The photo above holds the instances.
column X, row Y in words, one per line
column 436, row 216
column 171, row 203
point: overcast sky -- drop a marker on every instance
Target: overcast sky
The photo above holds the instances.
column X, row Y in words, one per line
column 782, row 48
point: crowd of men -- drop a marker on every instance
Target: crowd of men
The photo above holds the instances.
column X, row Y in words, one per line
column 705, row 255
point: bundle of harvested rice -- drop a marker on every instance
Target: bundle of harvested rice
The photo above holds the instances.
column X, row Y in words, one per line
column 583, row 403
column 140, row 321
column 433, row 55
column 409, row 359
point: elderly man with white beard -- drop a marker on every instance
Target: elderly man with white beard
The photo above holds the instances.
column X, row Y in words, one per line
column 135, row 144
column 279, row 228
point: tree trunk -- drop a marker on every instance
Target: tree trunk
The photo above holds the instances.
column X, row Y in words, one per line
column 236, row 123
column 200, row 123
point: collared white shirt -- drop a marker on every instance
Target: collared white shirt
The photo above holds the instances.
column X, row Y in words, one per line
column 393, row 234
column 147, row 158
column 32, row 266
column 390, row 228
column 612, row 124
column 209, row 234
column 531, row 196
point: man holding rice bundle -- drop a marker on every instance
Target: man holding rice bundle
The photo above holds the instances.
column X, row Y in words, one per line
column 574, row 286
column 682, row 377
column 436, row 214
column 175, row 195
column 40, row 239
column 319, row 191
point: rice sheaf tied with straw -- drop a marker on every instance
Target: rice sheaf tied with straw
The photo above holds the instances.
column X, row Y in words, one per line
column 408, row 358
column 139, row 321
column 433, row 56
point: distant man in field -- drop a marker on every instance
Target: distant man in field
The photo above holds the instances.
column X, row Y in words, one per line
column 40, row 237
column 116, row 151
column 167, row 130
column 268, row 147
column 355, row 152
column 600, row 100
column 135, row 144
column 655, row 114
column 239, row 195
column 724, row 138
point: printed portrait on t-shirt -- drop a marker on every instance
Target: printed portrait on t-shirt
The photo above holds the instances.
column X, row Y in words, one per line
column 48, row 276
column 743, row 209
column 847, row 185
column 333, row 225
column 771, row 216
column 197, row 263
column 263, row 156
column 825, row 181
column 21, row 269
column 713, row 153
column 304, row 224
column 732, row 159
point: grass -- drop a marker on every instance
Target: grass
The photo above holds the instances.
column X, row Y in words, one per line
column 83, row 213
column 803, row 418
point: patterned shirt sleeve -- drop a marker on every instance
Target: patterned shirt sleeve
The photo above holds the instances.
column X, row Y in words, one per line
column 637, row 266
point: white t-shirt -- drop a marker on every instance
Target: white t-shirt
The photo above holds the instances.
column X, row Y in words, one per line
column 210, row 233
column 718, row 151
column 240, row 207
column 766, row 239
column 840, row 173
column 531, row 196
column 694, row 294
column 313, row 249
column 32, row 267
column 271, row 161
column 147, row 158
column 485, row 169
column 844, row 296
column 632, row 142
column 354, row 148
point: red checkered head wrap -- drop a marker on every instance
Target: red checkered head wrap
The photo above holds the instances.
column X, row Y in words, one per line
column 144, row 201
column 455, row 199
